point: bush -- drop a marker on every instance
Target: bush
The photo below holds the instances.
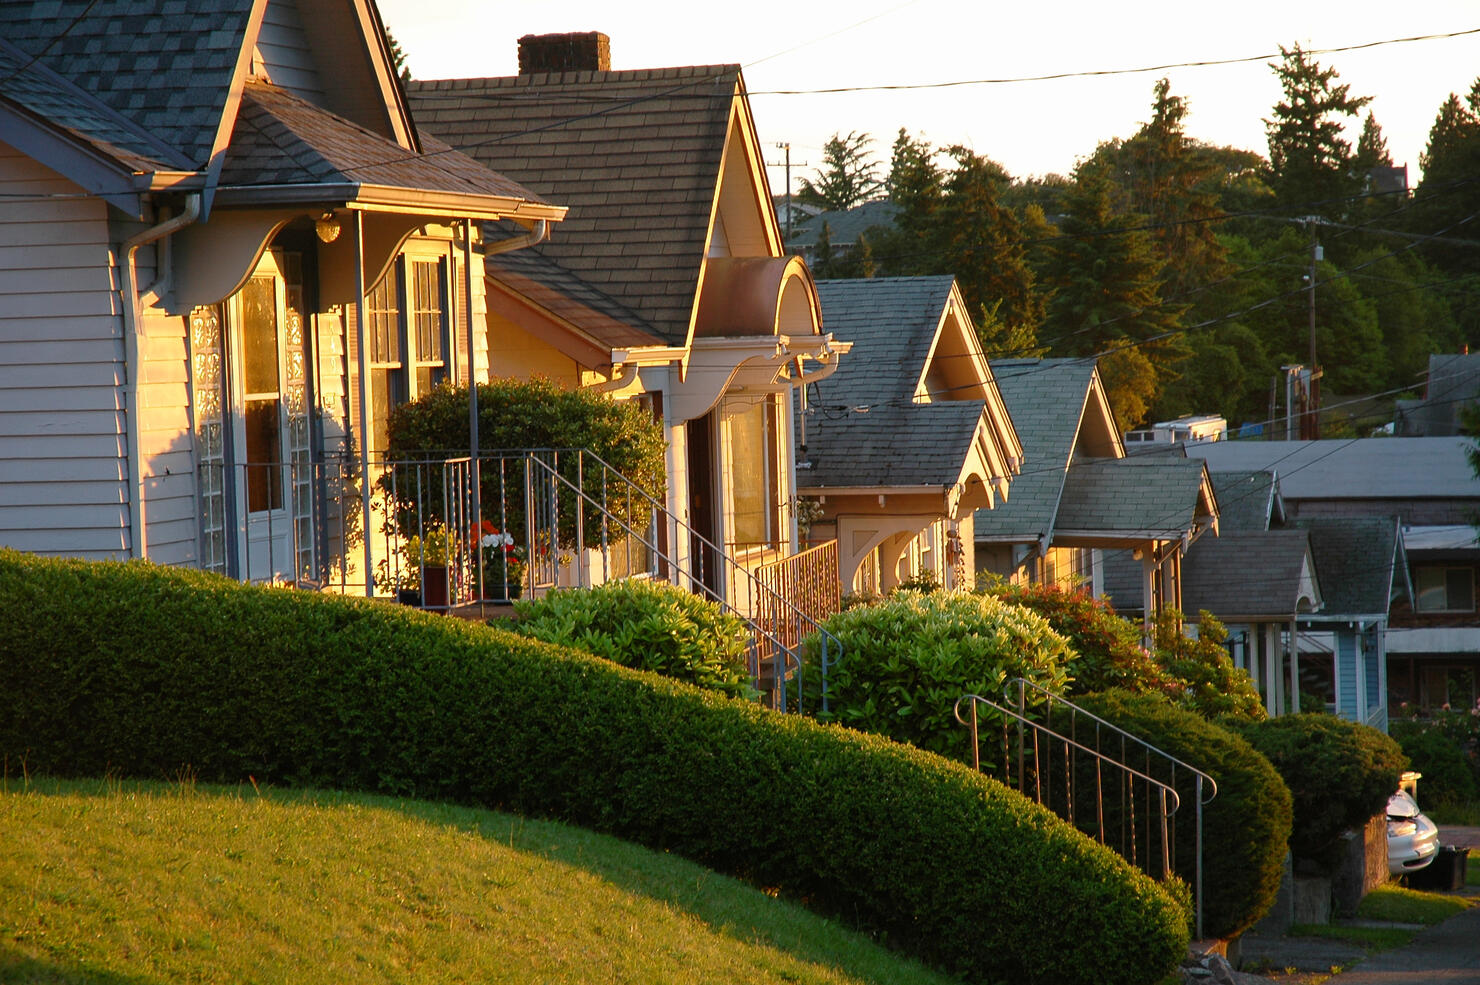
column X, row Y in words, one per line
column 137, row 670
column 1340, row 773
column 533, row 414
column 1448, row 773
column 1245, row 828
column 1204, row 677
column 647, row 625
column 907, row 659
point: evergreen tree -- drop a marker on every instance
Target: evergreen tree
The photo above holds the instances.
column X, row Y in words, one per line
column 847, row 177
column 1106, row 277
column 1372, row 148
column 398, row 57
column 1311, row 161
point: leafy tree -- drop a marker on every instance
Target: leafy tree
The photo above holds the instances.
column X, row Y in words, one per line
column 1106, row 275
column 1311, row 162
column 398, row 57
column 847, row 177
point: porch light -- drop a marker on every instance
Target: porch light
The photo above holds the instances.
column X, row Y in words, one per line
column 327, row 227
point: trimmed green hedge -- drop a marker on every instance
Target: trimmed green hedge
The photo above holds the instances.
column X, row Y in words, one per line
column 139, row 670
column 1245, row 828
column 649, row 625
column 1341, row 773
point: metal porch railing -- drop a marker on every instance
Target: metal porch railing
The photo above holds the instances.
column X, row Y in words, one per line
column 556, row 518
column 1061, row 758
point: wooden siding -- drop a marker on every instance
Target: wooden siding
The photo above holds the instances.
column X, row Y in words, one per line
column 167, row 440
column 63, row 470
column 286, row 53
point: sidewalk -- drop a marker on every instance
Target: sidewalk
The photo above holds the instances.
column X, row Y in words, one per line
column 1447, row 954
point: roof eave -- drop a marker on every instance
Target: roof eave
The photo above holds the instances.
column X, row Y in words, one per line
column 390, row 198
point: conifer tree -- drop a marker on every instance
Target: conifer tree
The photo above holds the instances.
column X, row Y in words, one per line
column 1310, row 160
column 848, row 176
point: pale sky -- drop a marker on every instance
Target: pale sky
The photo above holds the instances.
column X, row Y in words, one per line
column 1031, row 128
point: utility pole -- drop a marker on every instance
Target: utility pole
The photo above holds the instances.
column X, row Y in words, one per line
column 1312, row 429
column 786, row 146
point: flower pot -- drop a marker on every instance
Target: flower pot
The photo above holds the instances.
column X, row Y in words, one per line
column 434, row 586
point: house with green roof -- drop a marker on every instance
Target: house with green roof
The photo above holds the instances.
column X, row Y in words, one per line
column 1079, row 497
column 228, row 251
column 908, row 439
column 668, row 282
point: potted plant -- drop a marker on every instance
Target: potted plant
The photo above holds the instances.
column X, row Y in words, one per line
column 431, row 555
column 501, row 564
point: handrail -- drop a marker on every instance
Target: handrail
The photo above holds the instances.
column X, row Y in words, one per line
column 1023, row 683
column 790, row 660
column 976, row 699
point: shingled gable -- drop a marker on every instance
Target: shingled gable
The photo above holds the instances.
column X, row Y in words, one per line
column 641, row 157
column 154, row 92
column 1059, row 409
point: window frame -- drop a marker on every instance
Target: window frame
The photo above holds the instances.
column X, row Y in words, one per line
column 397, row 375
column 1444, row 571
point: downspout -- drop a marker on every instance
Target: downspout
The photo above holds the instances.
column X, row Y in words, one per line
column 133, row 318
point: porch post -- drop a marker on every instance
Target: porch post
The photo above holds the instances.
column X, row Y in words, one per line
column 477, row 505
column 363, row 387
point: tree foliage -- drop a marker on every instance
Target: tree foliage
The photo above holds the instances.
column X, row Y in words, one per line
column 848, row 175
column 1310, row 160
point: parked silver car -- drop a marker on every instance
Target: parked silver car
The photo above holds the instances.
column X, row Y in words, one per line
column 1412, row 839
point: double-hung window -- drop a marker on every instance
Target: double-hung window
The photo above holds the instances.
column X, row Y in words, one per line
column 408, row 319
column 1440, row 588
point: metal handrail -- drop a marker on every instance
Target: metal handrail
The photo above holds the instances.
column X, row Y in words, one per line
column 791, row 660
column 1202, row 780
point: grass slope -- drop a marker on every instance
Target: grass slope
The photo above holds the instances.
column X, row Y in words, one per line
column 114, row 884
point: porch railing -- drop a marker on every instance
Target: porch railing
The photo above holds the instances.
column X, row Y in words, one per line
column 550, row 518
column 1110, row 784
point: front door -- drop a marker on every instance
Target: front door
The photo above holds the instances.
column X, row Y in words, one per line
column 268, row 422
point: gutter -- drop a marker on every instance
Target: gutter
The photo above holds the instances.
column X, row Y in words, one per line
column 133, row 317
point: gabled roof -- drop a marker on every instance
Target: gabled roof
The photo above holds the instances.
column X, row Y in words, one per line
column 165, row 65
column 1247, row 500
column 1128, row 498
column 844, row 226
column 1251, row 576
column 1047, row 399
column 1368, row 468
column 891, row 322
column 1359, row 561
column 635, row 154
column 283, row 140
column 892, row 446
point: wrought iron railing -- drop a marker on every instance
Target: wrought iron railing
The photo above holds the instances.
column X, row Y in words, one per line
column 1059, row 754
column 547, row 518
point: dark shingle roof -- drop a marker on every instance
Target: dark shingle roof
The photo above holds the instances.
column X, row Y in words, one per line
column 892, row 445
column 31, row 84
column 891, row 322
column 165, row 65
column 843, row 226
column 282, row 139
column 1354, row 561
column 1246, row 500
column 636, row 155
column 1370, row 468
column 1131, row 496
column 1245, row 574
column 567, row 296
column 1046, row 400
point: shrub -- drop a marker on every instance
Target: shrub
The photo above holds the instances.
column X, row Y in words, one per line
column 136, row 670
column 1107, row 648
column 1204, row 677
column 533, row 414
column 1340, row 773
column 1245, row 828
column 1448, row 773
column 647, row 625
column 906, row 661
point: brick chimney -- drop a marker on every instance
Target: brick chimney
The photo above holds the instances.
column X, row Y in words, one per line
column 586, row 51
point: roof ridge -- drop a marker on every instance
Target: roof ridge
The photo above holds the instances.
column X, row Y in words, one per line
column 581, row 77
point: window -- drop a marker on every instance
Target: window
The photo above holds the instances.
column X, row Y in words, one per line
column 1444, row 589
column 408, row 342
column 754, row 471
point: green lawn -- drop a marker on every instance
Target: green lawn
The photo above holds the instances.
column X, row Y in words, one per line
column 1400, row 905
column 1376, row 938
column 129, row 884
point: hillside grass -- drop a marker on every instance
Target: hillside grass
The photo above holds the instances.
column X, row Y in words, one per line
column 133, row 883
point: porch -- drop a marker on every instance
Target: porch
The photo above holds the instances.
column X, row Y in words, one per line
column 463, row 534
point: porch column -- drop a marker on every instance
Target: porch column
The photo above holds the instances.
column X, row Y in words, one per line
column 477, row 504
column 363, row 386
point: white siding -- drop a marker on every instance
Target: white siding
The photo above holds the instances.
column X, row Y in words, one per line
column 166, row 438
column 63, row 473
column 286, row 54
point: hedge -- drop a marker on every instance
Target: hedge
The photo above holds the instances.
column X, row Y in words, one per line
column 138, row 670
column 1340, row 773
column 1245, row 828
